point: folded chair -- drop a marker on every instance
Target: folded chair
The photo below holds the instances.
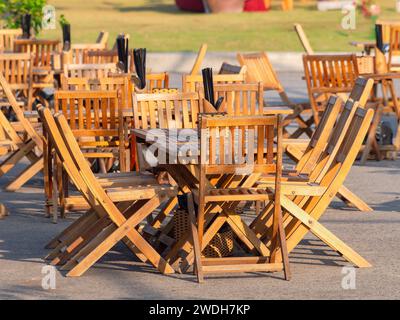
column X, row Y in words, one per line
column 22, row 147
column 259, row 69
column 115, row 212
column 300, row 151
column 303, row 212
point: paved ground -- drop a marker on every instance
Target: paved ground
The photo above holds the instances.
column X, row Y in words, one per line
column 317, row 271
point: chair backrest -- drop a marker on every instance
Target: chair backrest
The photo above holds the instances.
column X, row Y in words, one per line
column 189, row 82
column 26, row 125
column 240, row 145
column 303, row 38
column 259, row 69
column 88, row 70
column 394, row 44
column 7, row 37
column 121, row 84
column 105, row 56
column 329, row 74
column 90, row 114
column 157, row 81
column 199, row 59
column 239, row 98
column 166, row 111
column 17, row 70
column 42, row 50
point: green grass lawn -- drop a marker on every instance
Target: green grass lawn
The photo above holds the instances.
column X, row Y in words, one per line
column 159, row 26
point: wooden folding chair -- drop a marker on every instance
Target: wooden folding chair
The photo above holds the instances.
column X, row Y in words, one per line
column 123, row 86
column 308, row 156
column 89, row 70
column 189, row 82
column 7, row 37
column 21, row 147
column 303, row 212
column 114, row 215
column 43, row 51
column 303, row 38
column 326, row 75
column 259, row 69
column 241, row 147
column 17, row 70
column 199, row 60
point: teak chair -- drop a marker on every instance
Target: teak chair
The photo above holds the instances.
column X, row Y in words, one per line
column 89, row 70
column 326, row 75
column 303, row 38
column 259, row 69
column 303, row 212
column 189, row 82
column 114, row 215
column 21, row 147
column 7, row 37
column 308, row 158
column 43, row 51
column 17, row 70
column 221, row 153
column 95, row 120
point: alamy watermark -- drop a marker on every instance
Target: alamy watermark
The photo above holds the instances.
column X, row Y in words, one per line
column 349, row 278
column 49, row 278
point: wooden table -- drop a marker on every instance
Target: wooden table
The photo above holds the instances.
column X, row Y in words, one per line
column 366, row 46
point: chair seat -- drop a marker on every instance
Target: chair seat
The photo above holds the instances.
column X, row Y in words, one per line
column 133, row 193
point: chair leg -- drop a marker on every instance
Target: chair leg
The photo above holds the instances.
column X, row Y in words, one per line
column 16, row 156
column 352, row 199
column 26, row 175
column 195, row 240
column 322, row 233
